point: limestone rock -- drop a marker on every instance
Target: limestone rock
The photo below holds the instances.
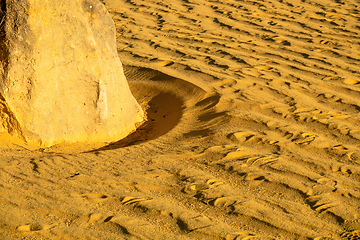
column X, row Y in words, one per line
column 61, row 77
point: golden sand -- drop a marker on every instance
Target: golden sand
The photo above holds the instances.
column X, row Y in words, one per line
column 252, row 131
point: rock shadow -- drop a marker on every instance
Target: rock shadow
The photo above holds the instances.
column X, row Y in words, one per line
column 164, row 113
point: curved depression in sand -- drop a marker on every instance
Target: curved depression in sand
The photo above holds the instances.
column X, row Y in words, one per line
column 165, row 99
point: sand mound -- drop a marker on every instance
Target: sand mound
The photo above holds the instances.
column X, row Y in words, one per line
column 252, row 131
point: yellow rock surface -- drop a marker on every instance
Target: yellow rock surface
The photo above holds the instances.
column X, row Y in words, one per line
column 62, row 79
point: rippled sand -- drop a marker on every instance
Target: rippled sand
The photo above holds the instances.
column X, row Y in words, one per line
column 253, row 131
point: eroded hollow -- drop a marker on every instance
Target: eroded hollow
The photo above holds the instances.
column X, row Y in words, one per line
column 163, row 113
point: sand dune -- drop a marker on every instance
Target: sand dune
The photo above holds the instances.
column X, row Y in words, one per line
column 252, row 131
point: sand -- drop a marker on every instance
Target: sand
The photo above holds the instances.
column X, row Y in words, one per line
column 253, row 131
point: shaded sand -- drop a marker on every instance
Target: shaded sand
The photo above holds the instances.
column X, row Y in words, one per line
column 252, row 132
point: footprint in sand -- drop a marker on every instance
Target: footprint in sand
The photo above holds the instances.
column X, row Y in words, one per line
column 36, row 227
column 301, row 138
column 343, row 169
column 133, row 200
column 106, row 223
column 320, row 198
column 99, row 218
column 221, row 202
column 194, row 188
column 94, row 197
column 30, row 228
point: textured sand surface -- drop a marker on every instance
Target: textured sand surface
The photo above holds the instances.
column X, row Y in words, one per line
column 253, row 131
